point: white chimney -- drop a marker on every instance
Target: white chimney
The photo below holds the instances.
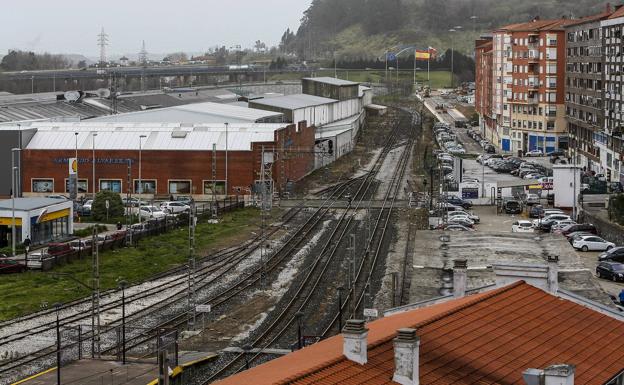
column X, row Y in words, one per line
column 354, row 344
column 460, row 267
column 553, row 274
column 406, row 350
column 560, row 374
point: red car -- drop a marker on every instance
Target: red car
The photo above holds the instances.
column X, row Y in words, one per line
column 8, row 266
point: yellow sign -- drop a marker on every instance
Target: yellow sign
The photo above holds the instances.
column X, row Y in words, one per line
column 55, row 215
column 9, row 221
column 73, row 166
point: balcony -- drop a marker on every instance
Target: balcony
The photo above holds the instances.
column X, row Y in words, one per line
column 532, row 100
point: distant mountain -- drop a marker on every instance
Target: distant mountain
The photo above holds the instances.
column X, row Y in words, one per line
column 366, row 28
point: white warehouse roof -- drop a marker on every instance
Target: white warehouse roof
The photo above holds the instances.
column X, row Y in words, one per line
column 293, row 102
column 195, row 113
column 168, row 136
column 332, row 81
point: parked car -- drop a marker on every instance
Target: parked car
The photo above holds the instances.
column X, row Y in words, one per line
column 585, row 227
column 174, row 207
column 35, row 259
column 536, row 211
column 615, row 254
column 454, row 227
column 592, row 242
column 8, row 266
column 186, row 199
column 151, row 212
column 81, row 244
column 57, row 196
column 558, row 226
column 534, row 153
column 577, row 235
column 610, row 270
column 532, row 199
column 473, row 217
column 549, row 218
column 522, row 227
column 512, row 206
column 86, row 207
column 59, row 249
column 457, row 201
column 464, row 221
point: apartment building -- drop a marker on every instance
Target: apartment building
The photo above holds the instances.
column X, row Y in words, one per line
column 527, row 98
column 483, row 85
column 610, row 149
column 584, row 93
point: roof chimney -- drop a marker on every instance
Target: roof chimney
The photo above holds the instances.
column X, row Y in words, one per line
column 553, row 274
column 354, row 344
column 406, row 350
column 560, row 374
column 459, row 277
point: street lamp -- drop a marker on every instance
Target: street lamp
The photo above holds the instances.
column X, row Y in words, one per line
column 93, row 135
column 140, row 183
column 299, row 316
column 57, row 307
column 474, row 22
column 455, row 29
column 76, row 175
column 122, row 286
column 13, row 183
column 226, row 159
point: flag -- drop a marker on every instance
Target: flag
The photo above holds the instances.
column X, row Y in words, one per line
column 433, row 52
column 422, row 55
column 390, row 56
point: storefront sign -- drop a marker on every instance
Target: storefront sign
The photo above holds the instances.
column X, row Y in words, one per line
column 9, row 221
column 46, row 216
column 123, row 161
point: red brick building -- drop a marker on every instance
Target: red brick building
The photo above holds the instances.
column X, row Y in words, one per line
column 483, row 82
column 175, row 159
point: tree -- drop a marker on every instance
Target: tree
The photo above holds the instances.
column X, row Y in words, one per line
column 260, row 46
column 115, row 209
column 82, row 64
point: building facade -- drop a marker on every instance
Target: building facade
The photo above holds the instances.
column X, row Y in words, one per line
column 608, row 142
column 527, row 98
column 484, row 84
column 174, row 160
column 584, row 90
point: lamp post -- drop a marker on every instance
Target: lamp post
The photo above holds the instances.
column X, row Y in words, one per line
column 340, row 290
column 299, row 316
column 57, row 306
column 122, row 286
column 455, row 29
column 76, row 176
column 95, row 300
column 140, row 182
column 474, row 22
column 13, row 185
column 226, row 159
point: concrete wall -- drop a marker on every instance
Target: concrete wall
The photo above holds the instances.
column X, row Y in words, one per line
column 608, row 230
column 10, row 139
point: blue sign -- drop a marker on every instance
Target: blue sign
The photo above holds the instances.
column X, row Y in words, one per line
column 390, row 56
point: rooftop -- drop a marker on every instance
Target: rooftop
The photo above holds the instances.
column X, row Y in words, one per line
column 293, row 102
column 537, row 25
column 332, row 81
column 26, row 204
column 486, row 338
column 206, row 112
column 167, row 136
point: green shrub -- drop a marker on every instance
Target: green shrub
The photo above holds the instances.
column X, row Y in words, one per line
column 98, row 210
column 616, row 208
column 89, row 230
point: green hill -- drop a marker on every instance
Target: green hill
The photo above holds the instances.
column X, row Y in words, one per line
column 366, row 28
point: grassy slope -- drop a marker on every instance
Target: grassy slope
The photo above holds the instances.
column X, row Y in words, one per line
column 24, row 293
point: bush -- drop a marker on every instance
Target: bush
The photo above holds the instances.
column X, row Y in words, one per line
column 98, row 209
column 89, row 230
column 616, row 208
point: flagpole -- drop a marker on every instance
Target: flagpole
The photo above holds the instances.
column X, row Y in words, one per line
column 428, row 74
column 397, row 59
column 386, row 66
column 414, row 66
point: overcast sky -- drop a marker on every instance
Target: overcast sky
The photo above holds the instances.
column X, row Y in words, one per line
column 72, row 26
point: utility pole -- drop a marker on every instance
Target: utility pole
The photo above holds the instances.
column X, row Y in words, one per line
column 214, row 182
column 191, row 267
column 226, row 160
column 95, row 266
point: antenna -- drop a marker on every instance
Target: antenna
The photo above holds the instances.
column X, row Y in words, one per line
column 143, row 55
column 102, row 42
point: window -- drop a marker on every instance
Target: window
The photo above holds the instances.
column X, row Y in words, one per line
column 179, row 187
column 219, row 187
column 113, row 185
column 83, row 185
column 43, row 185
column 148, row 186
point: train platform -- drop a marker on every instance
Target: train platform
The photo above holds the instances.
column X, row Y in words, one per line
column 104, row 372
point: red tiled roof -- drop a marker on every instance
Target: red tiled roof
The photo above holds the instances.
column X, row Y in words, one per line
column 488, row 338
column 618, row 13
column 536, row 25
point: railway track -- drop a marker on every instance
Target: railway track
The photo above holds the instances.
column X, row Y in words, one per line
column 219, row 263
column 285, row 320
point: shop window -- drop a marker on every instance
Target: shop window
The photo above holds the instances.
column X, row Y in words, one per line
column 219, row 187
column 148, row 186
column 43, row 185
column 179, row 187
column 83, row 185
column 113, row 185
